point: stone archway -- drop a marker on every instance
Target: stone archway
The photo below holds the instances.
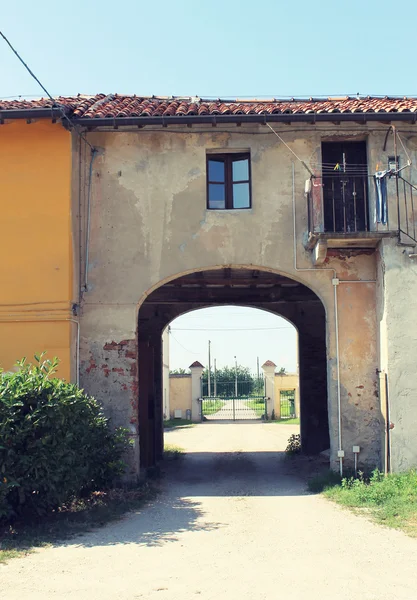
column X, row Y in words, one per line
column 244, row 286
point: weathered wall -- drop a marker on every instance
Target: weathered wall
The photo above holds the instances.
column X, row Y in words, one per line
column 180, row 394
column 149, row 224
column 287, row 381
column 36, row 244
column 398, row 332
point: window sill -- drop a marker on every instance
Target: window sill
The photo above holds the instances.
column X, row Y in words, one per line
column 231, row 211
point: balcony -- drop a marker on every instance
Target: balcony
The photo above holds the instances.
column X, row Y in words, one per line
column 339, row 214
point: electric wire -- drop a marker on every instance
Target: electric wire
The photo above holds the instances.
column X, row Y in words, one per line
column 232, row 329
column 183, row 347
column 60, row 108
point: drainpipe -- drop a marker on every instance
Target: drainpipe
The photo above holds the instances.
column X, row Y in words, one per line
column 335, row 282
column 87, row 239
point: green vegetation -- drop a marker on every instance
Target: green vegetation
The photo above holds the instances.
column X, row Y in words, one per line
column 230, row 378
column 211, row 406
column 173, row 423
column 173, row 452
column 390, row 500
column 55, row 443
column 71, row 519
column 294, row 445
column 295, row 421
column 257, row 405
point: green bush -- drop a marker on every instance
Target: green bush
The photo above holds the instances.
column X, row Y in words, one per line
column 294, row 444
column 55, row 443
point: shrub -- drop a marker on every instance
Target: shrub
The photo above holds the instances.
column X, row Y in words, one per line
column 55, row 443
column 294, row 444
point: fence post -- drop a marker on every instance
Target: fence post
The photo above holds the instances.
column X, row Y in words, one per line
column 269, row 371
column 196, row 373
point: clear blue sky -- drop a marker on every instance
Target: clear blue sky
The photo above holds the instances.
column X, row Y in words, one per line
column 268, row 48
column 213, row 49
column 246, row 333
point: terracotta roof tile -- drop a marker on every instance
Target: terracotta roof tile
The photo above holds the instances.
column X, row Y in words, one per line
column 269, row 363
column 196, row 364
column 114, row 106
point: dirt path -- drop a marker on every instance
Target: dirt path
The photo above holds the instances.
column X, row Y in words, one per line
column 229, row 525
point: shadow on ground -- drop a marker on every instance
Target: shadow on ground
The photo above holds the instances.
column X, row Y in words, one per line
column 196, row 475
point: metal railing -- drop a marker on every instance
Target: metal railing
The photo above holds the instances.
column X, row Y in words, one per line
column 406, row 195
column 338, row 203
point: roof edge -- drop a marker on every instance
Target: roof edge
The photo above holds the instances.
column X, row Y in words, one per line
column 251, row 118
column 31, row 113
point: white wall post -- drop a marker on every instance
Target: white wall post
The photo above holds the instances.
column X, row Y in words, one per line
column 196, row 373
column 269, row 371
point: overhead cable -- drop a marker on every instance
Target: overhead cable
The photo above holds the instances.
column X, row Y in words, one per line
column 65, row 116
column 291, row 150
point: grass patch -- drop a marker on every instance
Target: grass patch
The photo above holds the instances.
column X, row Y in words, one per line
column 173, row 423
column 295, row 421
column 324, row 481
column 390, row 500
column 77, row 517
column 212, row 406
column 173, row 452
column 257, row 405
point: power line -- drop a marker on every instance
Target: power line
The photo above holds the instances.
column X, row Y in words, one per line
column 183, row 347
column 65, row 116
column 234, row 329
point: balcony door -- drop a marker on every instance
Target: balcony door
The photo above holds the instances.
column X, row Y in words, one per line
column 345, row 187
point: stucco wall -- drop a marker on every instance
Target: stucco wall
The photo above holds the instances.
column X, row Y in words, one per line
column 398, row 333
column 149, row 224
column 287, row 381
column 36, row 270
column 180, row 394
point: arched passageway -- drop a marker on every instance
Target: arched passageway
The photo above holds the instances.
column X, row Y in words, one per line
column 230, row 286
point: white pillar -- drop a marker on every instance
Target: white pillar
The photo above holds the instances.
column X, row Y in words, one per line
column 196, row 373
column 269, row 371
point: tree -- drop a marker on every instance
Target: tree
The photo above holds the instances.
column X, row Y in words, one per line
column 226, row 381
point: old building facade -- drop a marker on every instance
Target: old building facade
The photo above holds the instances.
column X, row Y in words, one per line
column 179, row 204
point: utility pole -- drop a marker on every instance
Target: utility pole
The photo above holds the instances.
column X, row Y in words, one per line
column 209, row 370
column 235, row 377
column 215, row 379
column 257, row 373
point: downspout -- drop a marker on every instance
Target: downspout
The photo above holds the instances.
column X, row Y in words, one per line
column 87, row 237
column 335, row 282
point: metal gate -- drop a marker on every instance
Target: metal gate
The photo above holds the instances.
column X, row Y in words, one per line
column 239, row 400
column 287, row 404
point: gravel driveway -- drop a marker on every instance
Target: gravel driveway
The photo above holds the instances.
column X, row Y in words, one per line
column 232, row 522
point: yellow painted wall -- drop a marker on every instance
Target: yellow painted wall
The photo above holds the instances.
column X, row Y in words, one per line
column 288, row 381
column 179, row 394
column 36, row 264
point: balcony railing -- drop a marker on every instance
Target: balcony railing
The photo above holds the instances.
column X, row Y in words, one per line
column 406, row 196
column 338, row 203
column 339, row 207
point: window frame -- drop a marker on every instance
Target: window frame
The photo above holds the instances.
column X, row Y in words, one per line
column 228, row 159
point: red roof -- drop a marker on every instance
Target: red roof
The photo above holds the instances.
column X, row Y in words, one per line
column 269, row 363
column 114, row 106
column 196, row 364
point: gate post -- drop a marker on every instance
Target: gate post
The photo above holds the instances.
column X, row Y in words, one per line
column 196, row 373
column 269, row 371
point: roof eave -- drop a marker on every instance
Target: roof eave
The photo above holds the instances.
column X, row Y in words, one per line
column 30, row 113
column 384, row 117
